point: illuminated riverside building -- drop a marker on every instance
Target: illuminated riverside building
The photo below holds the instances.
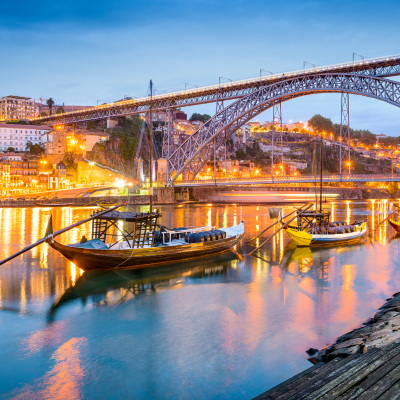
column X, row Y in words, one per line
column 16, row 107
column 18, row 136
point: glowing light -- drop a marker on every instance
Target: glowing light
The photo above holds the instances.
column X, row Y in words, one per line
column 119, row 183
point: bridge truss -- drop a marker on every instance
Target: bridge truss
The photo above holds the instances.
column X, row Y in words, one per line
column 196, row 149
column 254, row 96
column 379, row 67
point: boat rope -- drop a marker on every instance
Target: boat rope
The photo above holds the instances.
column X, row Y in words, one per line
column 380, row 223
column 282, row 227
column 297, row 209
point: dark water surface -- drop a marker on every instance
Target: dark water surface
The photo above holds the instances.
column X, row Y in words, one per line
column 225, row 327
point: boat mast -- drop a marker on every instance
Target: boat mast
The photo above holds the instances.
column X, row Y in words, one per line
column 151, row 145
column 320, row 189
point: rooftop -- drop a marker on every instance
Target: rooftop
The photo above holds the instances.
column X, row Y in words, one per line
column 16, row 97
column 18, row 126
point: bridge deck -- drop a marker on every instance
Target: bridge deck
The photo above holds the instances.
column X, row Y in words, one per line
column 373, row 375
column 331, row 178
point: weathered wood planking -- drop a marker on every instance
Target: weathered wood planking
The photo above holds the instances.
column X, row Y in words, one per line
column 374, row 375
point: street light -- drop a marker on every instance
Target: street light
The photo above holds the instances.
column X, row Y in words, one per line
column 349, row 167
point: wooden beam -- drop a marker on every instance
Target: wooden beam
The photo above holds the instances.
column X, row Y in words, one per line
column 283, row 226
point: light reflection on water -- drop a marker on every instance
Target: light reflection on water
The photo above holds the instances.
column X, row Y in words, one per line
column 230, row 326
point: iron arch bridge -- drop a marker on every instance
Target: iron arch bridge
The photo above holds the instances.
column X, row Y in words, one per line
column 191, row 155
column 378, row 67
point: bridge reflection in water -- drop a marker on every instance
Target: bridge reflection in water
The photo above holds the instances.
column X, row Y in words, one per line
column 245, row 320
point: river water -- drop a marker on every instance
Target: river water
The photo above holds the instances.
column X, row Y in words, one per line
column 231, row 326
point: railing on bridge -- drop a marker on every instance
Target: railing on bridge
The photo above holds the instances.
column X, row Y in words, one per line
column 330, row 178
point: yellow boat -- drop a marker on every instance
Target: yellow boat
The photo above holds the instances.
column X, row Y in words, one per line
column 344, row 235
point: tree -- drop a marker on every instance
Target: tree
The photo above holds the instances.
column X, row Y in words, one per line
column 200, row 117
column 16, row 121
column 11, row 149
column 60, row 110
column 50, row 103
column 240, row 154
column 43, row 114
column 321, row 124
column 34, row 148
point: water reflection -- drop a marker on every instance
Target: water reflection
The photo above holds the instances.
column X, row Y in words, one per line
column 244, row 319
column 116, row 287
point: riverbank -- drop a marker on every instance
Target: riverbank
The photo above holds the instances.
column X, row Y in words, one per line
column 377, row 332
column 363, row 363
column 161, row 196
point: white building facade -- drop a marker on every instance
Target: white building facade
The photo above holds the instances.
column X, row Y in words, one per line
column 18, row 136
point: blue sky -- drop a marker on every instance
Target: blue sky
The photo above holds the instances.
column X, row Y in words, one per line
column 79, row 52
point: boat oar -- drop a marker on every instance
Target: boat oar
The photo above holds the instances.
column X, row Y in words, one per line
column 380, row 223
column 259, row 234
column 283, row 226
column 49, row 232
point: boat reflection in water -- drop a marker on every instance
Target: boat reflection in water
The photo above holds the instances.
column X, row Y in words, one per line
column 116, row 287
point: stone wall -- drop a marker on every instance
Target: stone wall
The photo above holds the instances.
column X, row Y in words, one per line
column 161, row 196
column 111, row 157
column 96, row 174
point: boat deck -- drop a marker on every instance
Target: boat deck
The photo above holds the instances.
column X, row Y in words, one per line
column 373, row 375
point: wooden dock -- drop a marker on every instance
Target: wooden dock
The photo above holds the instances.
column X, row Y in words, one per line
column 372, row 375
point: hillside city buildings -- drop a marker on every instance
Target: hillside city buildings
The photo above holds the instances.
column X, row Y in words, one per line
column 18, row 136
column 16, row 107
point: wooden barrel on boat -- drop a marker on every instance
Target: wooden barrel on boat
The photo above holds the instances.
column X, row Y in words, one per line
column 198, row 237
column 217, row 234
column 222, row 233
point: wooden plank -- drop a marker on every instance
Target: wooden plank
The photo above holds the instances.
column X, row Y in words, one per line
column 381, row 386
column 288, row 381
column 372, row 379
column 326, row 382
column 392, row 394
column 332, row 380
column 387, row 361
column 296, row 387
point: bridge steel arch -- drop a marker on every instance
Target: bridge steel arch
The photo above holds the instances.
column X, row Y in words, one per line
column 198, row 148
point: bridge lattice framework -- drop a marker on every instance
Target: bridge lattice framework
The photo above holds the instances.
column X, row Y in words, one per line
column 365, row 77
column 197, row 149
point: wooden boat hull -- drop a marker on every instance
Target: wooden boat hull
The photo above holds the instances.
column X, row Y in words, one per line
column 302, row 238
column 98, row 259
column 395, row 225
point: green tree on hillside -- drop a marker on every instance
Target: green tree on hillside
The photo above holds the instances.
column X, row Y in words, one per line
column 321, row 124
column 200, row 117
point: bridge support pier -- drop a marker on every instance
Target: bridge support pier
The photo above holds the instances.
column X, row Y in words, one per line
column 111, row 123
column 168, row 138
column 276, row 117
column 344, row 130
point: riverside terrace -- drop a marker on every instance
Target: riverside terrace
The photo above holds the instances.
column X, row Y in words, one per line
column 376, row 67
